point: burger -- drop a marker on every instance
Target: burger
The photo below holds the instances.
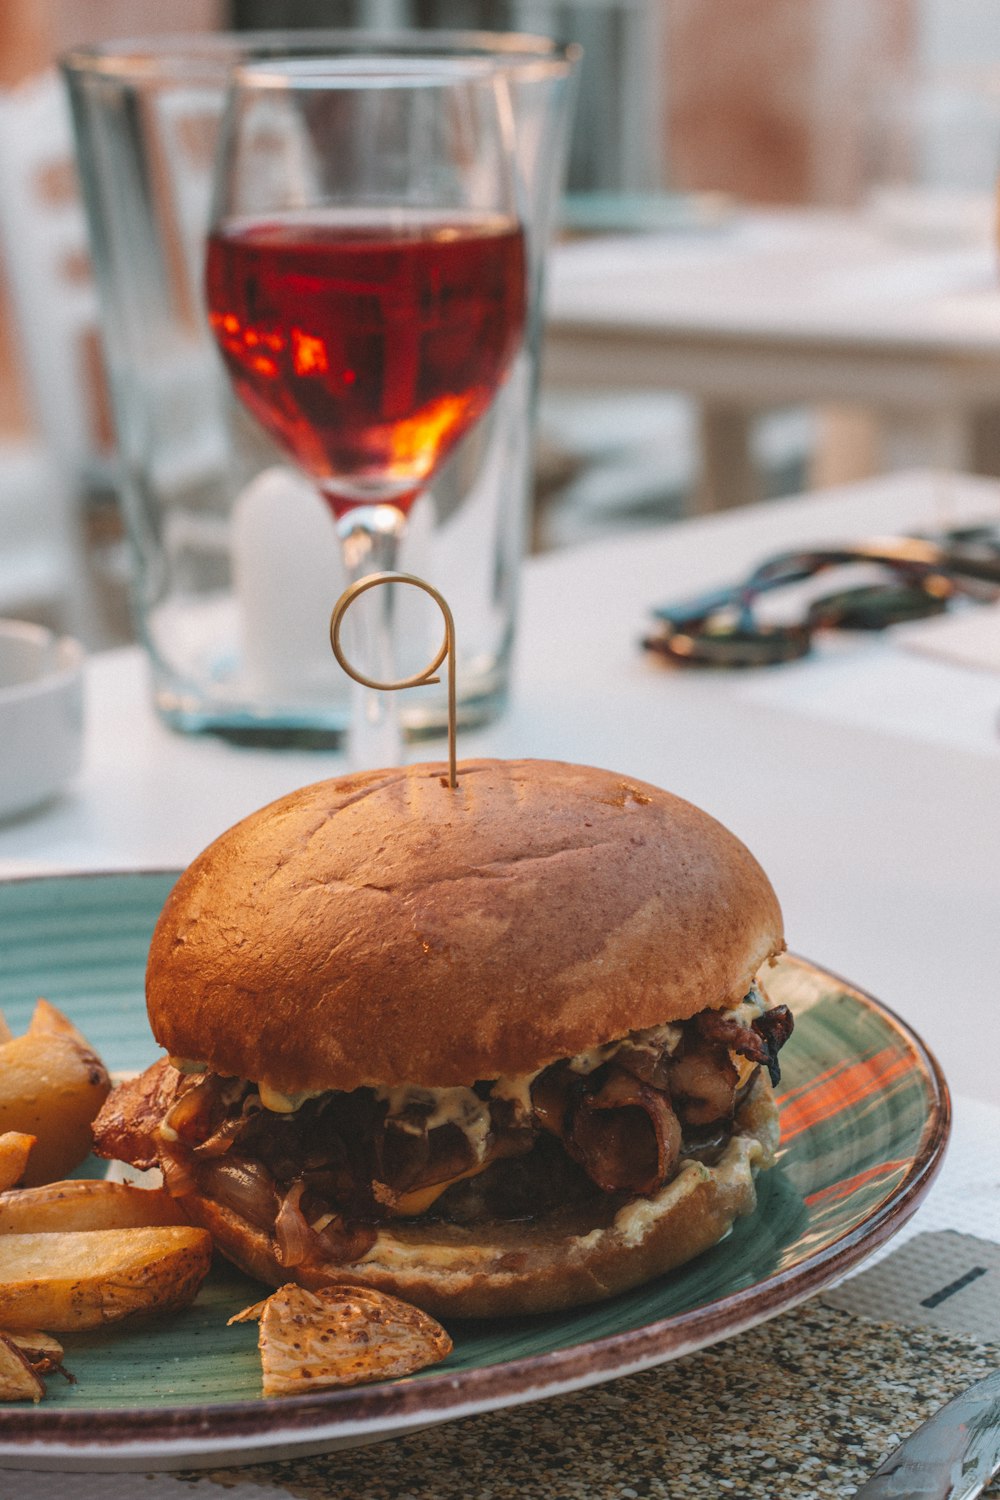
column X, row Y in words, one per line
column 495, row 1048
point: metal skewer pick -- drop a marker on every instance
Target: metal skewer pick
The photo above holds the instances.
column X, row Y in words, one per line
column 428, row 675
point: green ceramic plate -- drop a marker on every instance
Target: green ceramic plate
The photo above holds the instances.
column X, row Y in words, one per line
column 865, row 1119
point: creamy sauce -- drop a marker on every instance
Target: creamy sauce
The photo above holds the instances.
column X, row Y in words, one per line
column 651, row 1039
column 735, row 1168
column 516, row 1087
column 452, row 1106
column 463, row 1107
column 285, row 1104
column 753, row 1004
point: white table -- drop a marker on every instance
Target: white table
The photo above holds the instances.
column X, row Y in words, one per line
column 791, row 307
column 866, row 779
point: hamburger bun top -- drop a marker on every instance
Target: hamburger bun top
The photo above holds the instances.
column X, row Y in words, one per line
column 384, row 928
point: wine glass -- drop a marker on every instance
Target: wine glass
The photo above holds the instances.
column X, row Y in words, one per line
column 366, row 286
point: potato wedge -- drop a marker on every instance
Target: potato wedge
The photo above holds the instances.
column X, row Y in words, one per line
column 48, row 1020
column 15, row 1148
column 340, row 1335
column 86, row 1279
column 82, row 1203
column 51, row 1086
column 5, row 1031
column 41, row 1350
column 19, row 1380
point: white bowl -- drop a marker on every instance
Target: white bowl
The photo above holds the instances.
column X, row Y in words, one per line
column 41, row 714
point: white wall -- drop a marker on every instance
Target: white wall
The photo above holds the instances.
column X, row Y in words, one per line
column 959, row 31
column 954, row 117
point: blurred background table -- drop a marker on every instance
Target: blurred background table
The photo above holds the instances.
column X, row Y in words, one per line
column 893, row 309
column 866, row 778
column 819, row 106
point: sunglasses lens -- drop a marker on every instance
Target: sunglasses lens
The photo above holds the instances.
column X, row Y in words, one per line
column 877, row 606
column 988, row 535
column 730, row 647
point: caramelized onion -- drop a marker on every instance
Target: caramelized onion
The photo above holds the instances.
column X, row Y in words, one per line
column 341, row 1243
column 775, row 1026
column 553, row 1096
column 126, row 1127
column 716, row 1026
column 190, row 1116
column 219, row 1142
column 650, row 1065
column 291, row 1230
column 626, row 1136
column 703, row 1083
column 177, row 1178
column 243, row 1186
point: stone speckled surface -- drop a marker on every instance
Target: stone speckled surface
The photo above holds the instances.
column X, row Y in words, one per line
column 802, row 1407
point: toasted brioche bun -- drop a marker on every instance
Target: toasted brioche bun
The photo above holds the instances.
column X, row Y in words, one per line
column 384, row 929
column 558, row 1261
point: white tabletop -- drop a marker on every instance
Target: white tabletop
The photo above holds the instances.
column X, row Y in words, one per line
column 791, row 274
column 896, row 313
column 866, row 779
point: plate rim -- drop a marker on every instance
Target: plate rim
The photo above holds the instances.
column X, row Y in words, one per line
column 190, row 1430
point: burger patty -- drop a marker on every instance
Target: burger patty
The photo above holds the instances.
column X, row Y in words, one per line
column 604, row 1126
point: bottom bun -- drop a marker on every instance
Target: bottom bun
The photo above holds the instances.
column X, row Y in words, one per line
column 500, row 1270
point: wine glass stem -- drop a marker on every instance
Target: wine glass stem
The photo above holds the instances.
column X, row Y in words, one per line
column 370, row 538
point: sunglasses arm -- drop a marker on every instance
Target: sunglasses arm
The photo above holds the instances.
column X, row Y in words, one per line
column 910, row 554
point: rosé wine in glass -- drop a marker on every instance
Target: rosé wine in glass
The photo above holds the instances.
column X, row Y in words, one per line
column 366, row 283
column 367, row 348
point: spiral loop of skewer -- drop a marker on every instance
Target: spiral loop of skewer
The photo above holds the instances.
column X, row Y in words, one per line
column 418, row 679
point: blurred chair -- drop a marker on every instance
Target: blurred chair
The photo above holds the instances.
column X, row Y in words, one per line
column 601, row 461
column 47, row 258
column 37, row 557
column 932, row 162
column 936, row 129
column 43, row 242
column 616, row 144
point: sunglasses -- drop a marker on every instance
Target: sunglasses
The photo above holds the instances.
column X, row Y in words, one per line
column 720, row 628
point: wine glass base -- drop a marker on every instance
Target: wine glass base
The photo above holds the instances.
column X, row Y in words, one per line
column 429, row 719
column 315, row 728
column 256, row 730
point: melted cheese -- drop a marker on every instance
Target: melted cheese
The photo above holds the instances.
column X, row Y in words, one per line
column 420, row 1199
column 463, row 1107
column 733, row 1176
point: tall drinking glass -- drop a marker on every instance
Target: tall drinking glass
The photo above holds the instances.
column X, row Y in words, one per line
column 233, row 562
column 366, row 285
